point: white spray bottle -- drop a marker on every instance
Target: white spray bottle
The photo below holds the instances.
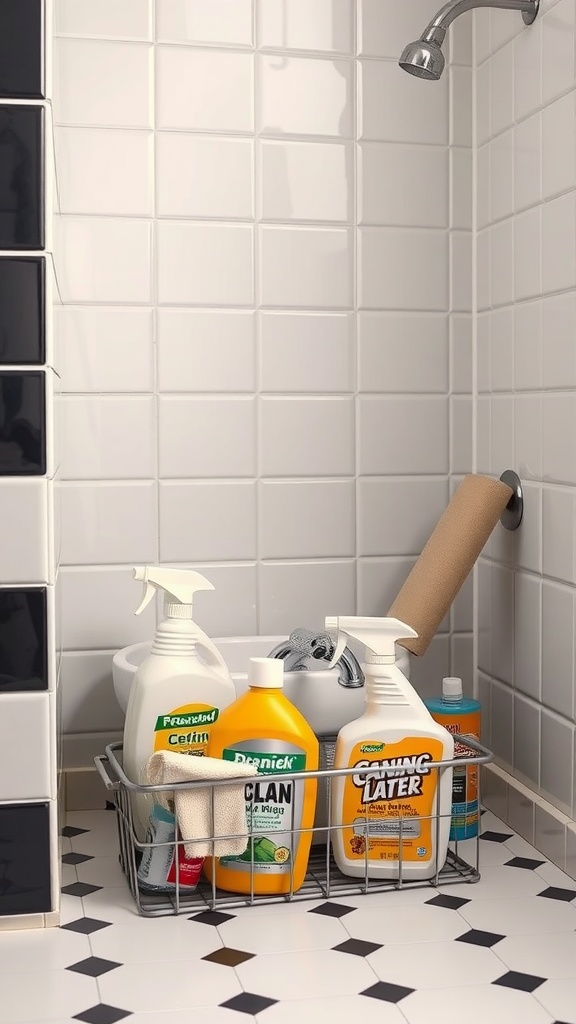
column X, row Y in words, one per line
column 181, row 686
column 379, row 812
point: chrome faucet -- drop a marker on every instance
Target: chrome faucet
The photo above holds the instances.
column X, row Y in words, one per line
column 303, row 647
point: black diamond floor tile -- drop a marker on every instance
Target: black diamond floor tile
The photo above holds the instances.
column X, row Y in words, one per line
column 358, row 947
column 332, row 910
column 214, row 917
column 80, row 889
column 496, row 837
column 94, row 966
column 229, row 957
column 86, row 925
column 248, row 1002
column 102, row 1014
column 524, row 862
column 478, row 938
column 554, row 893
column 448, row 902
column 519, row 981
column 386, row 992
column 75, row 858
column 69, row 831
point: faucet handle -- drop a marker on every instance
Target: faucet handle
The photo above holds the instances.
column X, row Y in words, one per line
column 321, row 646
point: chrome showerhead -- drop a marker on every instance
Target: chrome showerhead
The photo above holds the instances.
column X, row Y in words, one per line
column 423, row 60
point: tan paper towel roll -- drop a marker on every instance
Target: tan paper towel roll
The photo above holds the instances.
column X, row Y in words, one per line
column 448, row 557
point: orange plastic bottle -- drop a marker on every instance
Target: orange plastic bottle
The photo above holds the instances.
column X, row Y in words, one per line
column 264, row 728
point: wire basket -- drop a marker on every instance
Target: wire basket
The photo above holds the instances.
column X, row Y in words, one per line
column 323, row 879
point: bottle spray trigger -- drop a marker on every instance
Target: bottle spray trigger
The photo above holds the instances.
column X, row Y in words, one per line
column 149, row 591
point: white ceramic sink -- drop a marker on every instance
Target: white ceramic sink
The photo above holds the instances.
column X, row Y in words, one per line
column 325, row 704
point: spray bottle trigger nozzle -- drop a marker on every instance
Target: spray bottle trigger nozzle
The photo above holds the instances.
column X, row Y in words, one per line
column 149, row 592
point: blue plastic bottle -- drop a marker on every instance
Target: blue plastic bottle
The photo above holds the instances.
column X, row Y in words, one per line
column 459, row 714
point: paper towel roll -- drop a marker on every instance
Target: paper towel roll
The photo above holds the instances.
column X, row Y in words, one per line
column 449, row 555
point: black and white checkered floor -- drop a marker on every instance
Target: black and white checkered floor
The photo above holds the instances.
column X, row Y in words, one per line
column 500, row 951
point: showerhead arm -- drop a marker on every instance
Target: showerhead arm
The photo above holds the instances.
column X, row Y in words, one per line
column 436, row 31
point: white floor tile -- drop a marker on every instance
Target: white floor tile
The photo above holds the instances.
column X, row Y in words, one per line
column 489, row 854
column 283, row 935
column 313, row 975
column 210, row 1015
column 51, row 949
column 68, row 874
column 53, row 994
column 393, row 898
column 168, row 987
column 428, row 967
column 114, row 905
column 342, row 1010
column 482, row 1003
column 559, row 998
column 547, row 956
column 155, row 940
column 516, row 916
column 104, row 871
column 405, row 925
column 95, row 843
column 499, row 881
column 554, row 876
column 520, row 848
column 70, row 909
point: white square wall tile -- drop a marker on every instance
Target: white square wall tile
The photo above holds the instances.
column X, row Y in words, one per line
column 461, row 354
column 106, row 438
column 183, row 101
column 307, row 436
column 112, row 595
column 559, row 243
column 483, row 158
column 559, row 330
column 502, row 264
column 557, row 50
column 528, row 70
column 323, row 343
column 300, row 25
column 104, row 83
column 205, row 264
column 25, row 718
column 88, row 700
column 131, row 19
column 416, row 191
column 195, row 21
column 403, row 269
column 557, row 760
column 461, row 106
column 558, row 147
column 207, row 437
column 232, row 610
column 528, row 346
column 559, row 422
column 460, row 434
column 403, row 352
column 297, row 593
column 385, row 28
column 104, row 171
column 398, row 516
column 527, row 436
column 216, row 182
column 558, row 541
column 527, row 255
column 24, row 537
column 206, row 350
column 416, row 115
column 103, row 259
column 461, row 188
column 422, row 425
column 306, row 180
column 502, row 349
column 527, row 634
column 305, row 96
column 461, row 271
column 558, row 648
column 307, row 519
column 502, row 177
column 502, row 90
column 527, row 163
column 379, row 581
column 526, row 740
column 107, row 523
column 306, row 267
column 207, row 521
column 529, row 544
column 104, row 349
column 483, row 84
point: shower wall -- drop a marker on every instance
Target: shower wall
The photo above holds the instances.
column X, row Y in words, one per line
column 526, row 404
column 263, row 330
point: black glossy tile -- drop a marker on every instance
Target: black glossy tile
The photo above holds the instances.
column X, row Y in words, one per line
column 249, row 1002
column 213, row 917
column 528, row 863
column 21, row 177
column 476, row 937
column 86, row 925
column 21, row 49
column 94, row 966
column 448, row 902
column 80, row 889
column 76, row 858
column 69, row 831
column 22, row 309
column 102, row 1014
column 357, row 947
column 521, row 982
column 553, row 892
column 332, row 910
column 386, row 992
column 496, row 837
column 23, row 640
column 24, row 859
column 228, row 957
column 22, row 423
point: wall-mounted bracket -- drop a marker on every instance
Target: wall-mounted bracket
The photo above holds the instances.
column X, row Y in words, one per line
column 512, row 514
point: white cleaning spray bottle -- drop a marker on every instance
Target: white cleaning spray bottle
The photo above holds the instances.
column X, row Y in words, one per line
column 383, row 817
column 181, row 686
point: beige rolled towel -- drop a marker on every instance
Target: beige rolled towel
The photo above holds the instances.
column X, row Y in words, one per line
column 193, row 807
column 448, row 557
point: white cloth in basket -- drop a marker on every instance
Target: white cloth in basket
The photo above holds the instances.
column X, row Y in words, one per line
column 193, row 807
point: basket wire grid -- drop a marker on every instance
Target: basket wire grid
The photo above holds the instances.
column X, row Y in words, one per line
column 323, row 879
